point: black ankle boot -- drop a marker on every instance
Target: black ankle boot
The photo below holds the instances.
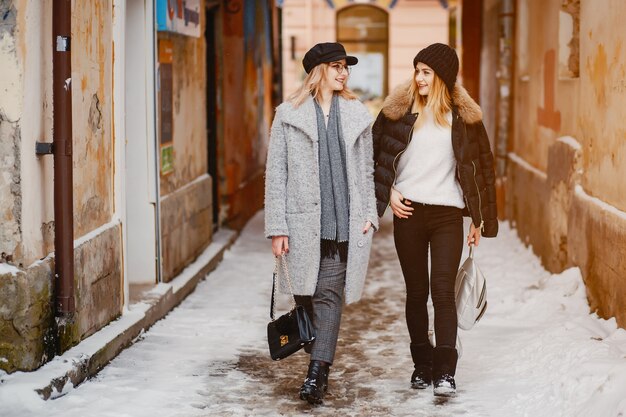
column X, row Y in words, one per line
column 445, row 386
column 316, row 383
column 422, row 355
column 444, row 368
column 421, row 378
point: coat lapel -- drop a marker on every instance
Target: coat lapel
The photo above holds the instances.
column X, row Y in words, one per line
column 304, row 118
column 354, row 120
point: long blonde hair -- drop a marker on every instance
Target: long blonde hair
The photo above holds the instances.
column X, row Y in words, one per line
column 312, row 85
column 438, row 102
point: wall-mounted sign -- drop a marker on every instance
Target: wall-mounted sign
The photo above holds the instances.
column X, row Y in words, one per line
column 167, row 159
column 179, row 16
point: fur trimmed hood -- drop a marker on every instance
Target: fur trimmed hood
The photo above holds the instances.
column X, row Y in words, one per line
column 399, row 101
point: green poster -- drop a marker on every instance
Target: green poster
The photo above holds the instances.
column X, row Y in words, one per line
column 167, row 159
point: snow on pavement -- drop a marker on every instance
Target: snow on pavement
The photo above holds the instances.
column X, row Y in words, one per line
column 536, row 352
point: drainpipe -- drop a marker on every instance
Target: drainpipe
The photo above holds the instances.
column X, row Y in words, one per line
column 62, row 150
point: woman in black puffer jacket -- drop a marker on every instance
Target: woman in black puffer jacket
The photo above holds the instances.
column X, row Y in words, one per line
column 433, row 164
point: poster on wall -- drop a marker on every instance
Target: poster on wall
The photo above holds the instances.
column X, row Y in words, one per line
column 179, row 16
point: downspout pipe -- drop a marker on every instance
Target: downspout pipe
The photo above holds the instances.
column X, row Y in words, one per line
column 62, row 150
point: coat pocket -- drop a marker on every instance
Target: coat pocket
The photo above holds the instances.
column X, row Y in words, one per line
column 304, row 249
column 304, row 230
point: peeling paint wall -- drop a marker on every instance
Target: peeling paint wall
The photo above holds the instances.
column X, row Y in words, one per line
column 92, row 93
column 186, row 198
column 26, row 180
column 189, row 111
column 10, row 189
column 569, row 142
column 602, row 108
column 10, row 136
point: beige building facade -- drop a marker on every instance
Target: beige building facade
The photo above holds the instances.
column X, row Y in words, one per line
column 384, row 35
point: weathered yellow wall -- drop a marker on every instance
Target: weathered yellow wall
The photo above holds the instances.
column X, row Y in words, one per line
column 186, row 199
column 189, row 111
column 565, row 187
column 26, row 117
column 92, row 98
column 602, row 105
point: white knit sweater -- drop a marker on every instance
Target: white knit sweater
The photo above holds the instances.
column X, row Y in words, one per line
column 426, row 171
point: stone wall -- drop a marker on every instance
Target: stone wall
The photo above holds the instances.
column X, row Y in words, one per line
column 565, row 188
column 98, row 283
column 186, row 225
column 27, row 338
column 10, row 189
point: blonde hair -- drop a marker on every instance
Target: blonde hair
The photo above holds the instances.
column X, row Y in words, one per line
column 438, row 102
column 312, row 85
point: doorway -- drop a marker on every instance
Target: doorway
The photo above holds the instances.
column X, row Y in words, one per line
column 364, row 31
column 141, row 179
column 211, row 100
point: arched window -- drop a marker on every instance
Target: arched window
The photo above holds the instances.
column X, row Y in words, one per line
column 364, row 31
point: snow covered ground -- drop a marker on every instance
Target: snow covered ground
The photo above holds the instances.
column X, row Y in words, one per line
column 536, row 352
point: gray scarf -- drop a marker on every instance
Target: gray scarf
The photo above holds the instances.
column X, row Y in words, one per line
column 333, row 175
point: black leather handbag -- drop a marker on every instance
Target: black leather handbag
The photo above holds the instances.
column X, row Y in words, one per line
column 292, row 331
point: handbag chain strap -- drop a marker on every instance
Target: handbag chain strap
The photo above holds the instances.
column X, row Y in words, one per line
column 281, row 259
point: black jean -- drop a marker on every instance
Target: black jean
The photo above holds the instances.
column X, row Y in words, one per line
column 441, row 228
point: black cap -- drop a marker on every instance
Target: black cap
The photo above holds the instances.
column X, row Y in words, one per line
column 326, row 52
column 443, row 60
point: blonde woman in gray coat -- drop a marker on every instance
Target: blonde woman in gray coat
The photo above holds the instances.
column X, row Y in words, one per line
column 320, row 208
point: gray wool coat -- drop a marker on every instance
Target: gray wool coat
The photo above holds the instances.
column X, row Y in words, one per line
column 292, row 193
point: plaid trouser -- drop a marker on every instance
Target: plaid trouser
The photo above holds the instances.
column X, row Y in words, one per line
column 325, row 308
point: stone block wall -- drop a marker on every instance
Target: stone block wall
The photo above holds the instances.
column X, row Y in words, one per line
column 27, row 337
column 186, row 225
column 566, row 227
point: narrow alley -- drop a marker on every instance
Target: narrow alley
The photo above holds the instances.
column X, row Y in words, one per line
column 537, row 351
column 142, row 141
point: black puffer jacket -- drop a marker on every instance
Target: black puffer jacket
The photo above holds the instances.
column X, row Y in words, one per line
column 475, row 172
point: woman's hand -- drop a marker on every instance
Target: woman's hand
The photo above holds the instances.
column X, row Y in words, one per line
column 280, row 245
column 368, row 224
column 400, row 209
column 474, row 235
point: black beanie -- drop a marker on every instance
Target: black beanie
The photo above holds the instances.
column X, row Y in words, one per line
column 443, row 60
